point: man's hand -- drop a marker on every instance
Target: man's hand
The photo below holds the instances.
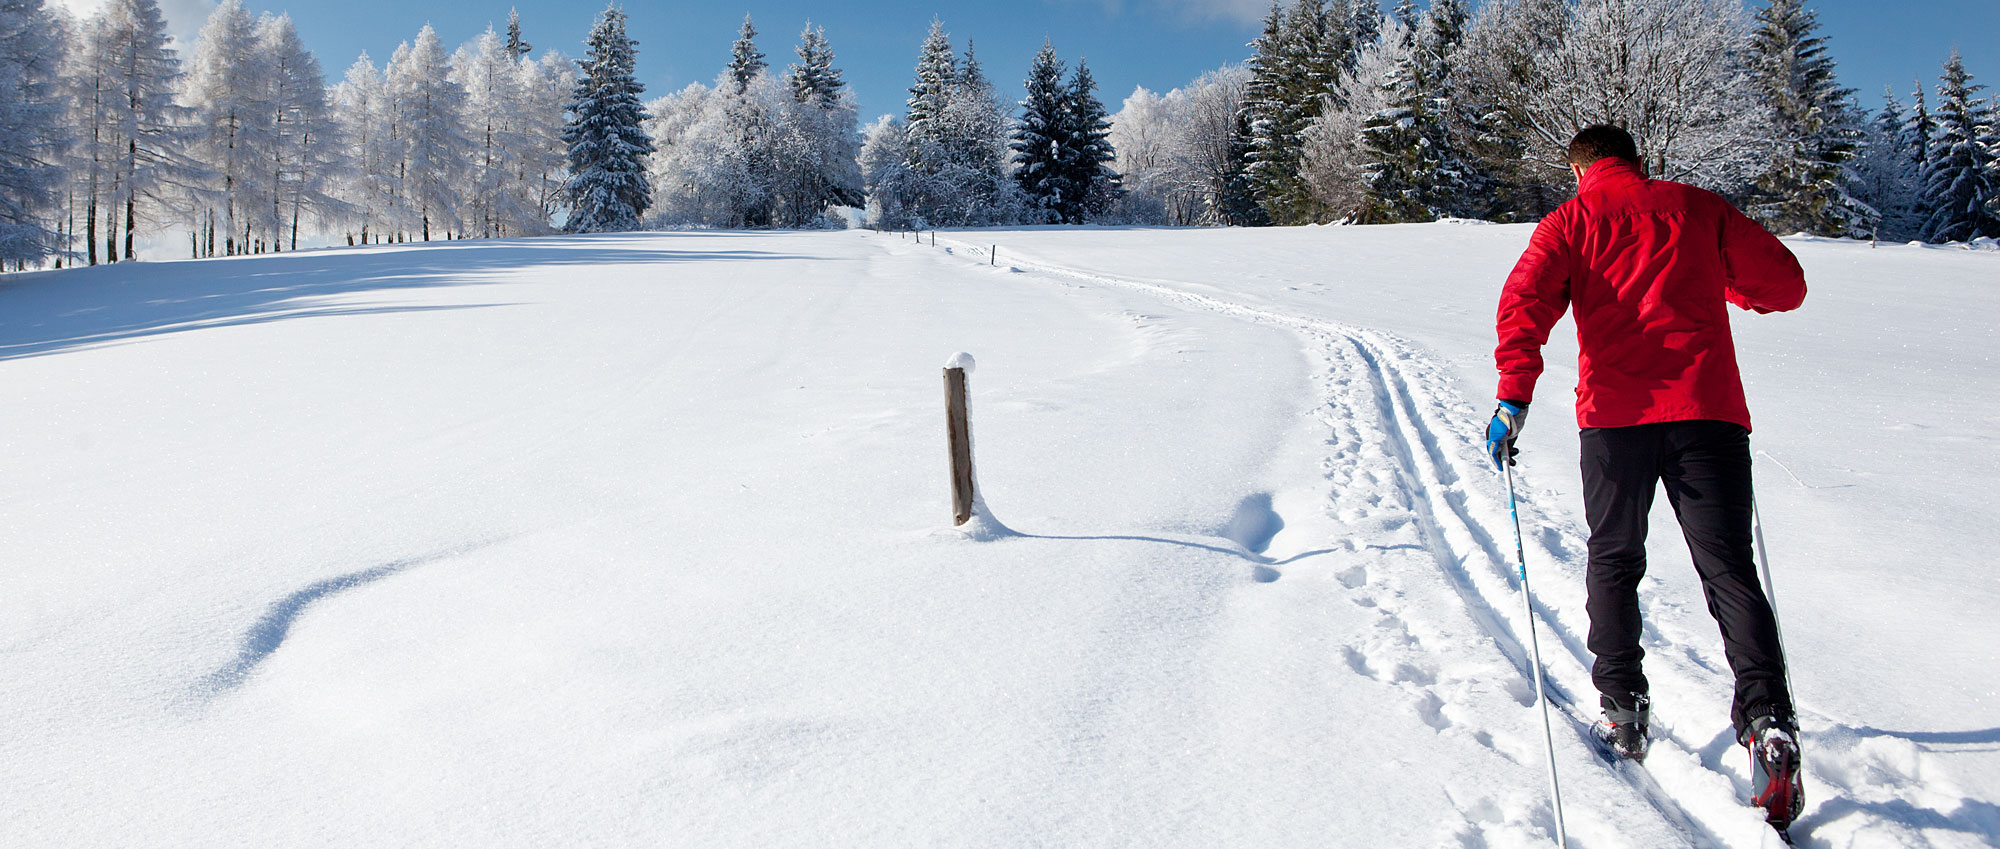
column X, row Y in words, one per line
column 1504, row 429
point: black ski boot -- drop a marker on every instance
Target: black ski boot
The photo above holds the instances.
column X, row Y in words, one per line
column 1624, row 729
column 1776, row 783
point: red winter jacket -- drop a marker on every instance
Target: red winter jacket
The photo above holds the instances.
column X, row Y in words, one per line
column 1648, row 265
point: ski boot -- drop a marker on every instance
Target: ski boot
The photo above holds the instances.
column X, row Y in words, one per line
column 1624, row 729
column 1776, row 783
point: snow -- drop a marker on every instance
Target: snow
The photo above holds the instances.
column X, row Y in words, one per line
column 646, row 539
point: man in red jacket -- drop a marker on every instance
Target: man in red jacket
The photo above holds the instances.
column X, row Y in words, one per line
column 1649, row 267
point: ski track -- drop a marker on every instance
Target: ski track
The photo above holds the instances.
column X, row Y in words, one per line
column 1385, row 400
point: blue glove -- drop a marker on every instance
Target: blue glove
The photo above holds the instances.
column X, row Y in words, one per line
column 1504, row 429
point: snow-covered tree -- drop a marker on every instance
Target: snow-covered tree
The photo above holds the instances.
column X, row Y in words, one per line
column 496, row 101
column 1885, row 174
column 1411, row 157
column 1814, row 128
column 1061, row 144
column 517, row 48
column 1181, row 155
column 954, row 140
column 887, row 175
column 34, row 137
column 91, row 90
column 122, row 79
column 1296, row 68
column 371, row 186
column 1962, row 179
column 1142, row 132
column 431, row 110
column 775, row 152
column 546, row 85
column 231, row 129
column 306, row 154
column 608, row 144
column 822, row 161
column 1668, row 71
column 745, row 61
column 931, row 92
column 1089, row 130
column 814, row 79
column 1340, row 148
column 1041, row 142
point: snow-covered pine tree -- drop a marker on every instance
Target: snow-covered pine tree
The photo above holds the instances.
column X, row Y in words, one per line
column 745, row 62
column 978, row 189
column 1041, row 142
column 1397, row 161
column 1284, row 100
column 33, row 135
column 1410, row 155
column 954, row 140
column 1884, row 178
column 144, row 72
column 826, row 169
column 1962, row 180
column 306, row 153
column 814, row 79
column 1305, row 50
column 1364, row 26
column 227, row 90
column 1815, row 130
column 517, row 48
column 607, row 141
column 1089, row 130
column 930, row 93
column 431, row 108
column 1989, row 139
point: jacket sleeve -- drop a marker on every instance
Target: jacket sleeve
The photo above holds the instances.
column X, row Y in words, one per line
column 1763, row 274
column 1534, row 299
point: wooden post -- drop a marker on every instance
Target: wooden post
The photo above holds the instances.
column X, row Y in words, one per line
column 994, row 255
column 958, row 427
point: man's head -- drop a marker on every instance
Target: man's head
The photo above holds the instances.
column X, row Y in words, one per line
column 1600, row 141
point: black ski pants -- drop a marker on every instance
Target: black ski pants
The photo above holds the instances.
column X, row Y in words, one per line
column 1705, row 466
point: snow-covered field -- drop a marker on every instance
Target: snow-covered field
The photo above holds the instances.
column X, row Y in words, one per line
column 645, row 540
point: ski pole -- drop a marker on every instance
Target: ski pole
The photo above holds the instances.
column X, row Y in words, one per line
column 1771, row 595
column 1535, row 647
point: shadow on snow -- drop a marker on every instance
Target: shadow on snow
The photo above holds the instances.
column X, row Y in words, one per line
column 59, row 311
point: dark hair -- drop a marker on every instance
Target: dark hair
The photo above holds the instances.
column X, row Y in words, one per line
column 1601, row 140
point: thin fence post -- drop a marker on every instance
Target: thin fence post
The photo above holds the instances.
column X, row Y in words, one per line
column 994, row 255
column 958, row 428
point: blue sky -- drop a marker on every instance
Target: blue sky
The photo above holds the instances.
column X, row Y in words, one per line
column 1159, row 44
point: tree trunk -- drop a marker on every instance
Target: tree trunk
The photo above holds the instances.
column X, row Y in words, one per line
column 90, row 224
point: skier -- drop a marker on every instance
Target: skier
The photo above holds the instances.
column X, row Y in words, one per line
column 1648, row 265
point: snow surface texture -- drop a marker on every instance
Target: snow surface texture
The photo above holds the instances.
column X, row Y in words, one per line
column 645, row 540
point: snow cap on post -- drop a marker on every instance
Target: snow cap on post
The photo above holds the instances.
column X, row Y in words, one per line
column 960, row 360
